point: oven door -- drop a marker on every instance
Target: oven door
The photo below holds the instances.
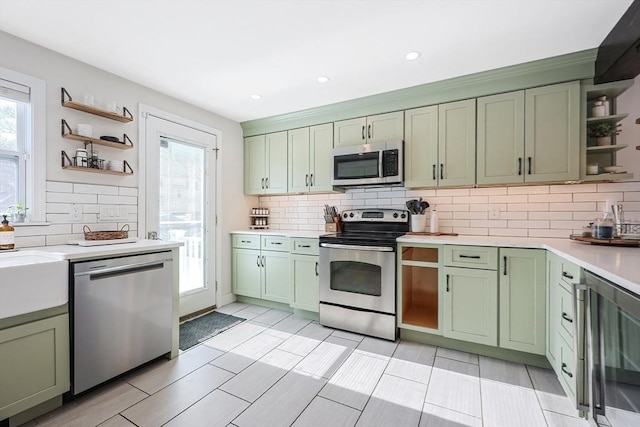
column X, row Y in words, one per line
column 360, row 277
column 615, row 353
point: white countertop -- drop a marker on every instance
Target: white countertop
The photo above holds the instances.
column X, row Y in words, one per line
column 75, row 252
column 620, row 265
column 286, row 233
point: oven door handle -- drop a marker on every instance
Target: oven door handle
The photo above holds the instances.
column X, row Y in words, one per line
column 356, row 247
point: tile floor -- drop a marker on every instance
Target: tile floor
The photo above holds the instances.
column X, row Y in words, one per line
column 277, row 369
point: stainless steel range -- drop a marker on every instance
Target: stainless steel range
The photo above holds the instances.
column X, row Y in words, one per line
column 358, row 272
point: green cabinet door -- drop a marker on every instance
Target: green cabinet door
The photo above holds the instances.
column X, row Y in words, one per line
column 552, row 133
column 522, row 299
column 275, row 276
column 457, row 143
column 385, row 127
column 421, row 147
column 320, row 146
column 246, row 272
column 304, row 282
column 471, row 305
column 298, row 160
column 254, row 164
column 34, row 364
column 350, row 132
column 276, row 157
column 500, row 134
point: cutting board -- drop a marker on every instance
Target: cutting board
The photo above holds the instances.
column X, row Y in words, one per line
column 101, row 242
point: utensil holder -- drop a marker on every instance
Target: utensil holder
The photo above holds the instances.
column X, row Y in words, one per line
column 418, row 223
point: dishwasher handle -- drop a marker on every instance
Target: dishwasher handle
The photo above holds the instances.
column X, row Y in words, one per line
column 121, row 270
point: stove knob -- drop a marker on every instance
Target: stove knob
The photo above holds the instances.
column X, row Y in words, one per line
column 403, row 216
column 345, row 215
column 395, row 214
column 351, row 215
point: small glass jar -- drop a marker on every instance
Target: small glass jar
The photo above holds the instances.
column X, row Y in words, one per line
column 592, row 169
column 598, row 109
column 603, row 228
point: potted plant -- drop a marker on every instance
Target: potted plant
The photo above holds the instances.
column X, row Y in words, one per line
column 603, row 132
column 18, row 212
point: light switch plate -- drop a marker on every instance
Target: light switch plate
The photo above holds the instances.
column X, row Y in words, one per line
column 113, row 213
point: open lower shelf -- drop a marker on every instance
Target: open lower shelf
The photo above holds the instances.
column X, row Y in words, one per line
column 607, row 119
column 94, row 170
column 608, row 177
column 423, row 315
column 605, row 148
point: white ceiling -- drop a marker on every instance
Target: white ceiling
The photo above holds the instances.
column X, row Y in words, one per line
column 215, row 54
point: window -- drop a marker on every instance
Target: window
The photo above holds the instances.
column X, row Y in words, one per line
column 22, row 148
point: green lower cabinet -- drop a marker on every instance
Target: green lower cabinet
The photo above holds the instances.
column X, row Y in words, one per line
column 522, row 299
column 275, row 276
column 34, row 364
column 247, row 272
column 471, row 305
column 304, row 282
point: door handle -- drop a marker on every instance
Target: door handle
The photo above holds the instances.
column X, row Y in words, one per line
column 569, row 374
column 306, row 180
column 441, row 170
column 258, row 261
column 316, row 268
column 519, row 165
column 434, row 172
column 262, row 183
column 304, row 246
column 311, row 180
column 363, row 132
column 470, row 256
column 567, row 275
column 263, row 261
column 276, row 243
column 567, row 318
column 369, row 131
column 504, row 268
column 447, row 283
column 266, row 182
column 529, row 160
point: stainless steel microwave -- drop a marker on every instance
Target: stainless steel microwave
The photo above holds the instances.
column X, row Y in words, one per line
column 368, row 164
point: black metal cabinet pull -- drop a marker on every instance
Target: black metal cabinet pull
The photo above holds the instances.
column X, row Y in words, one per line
column 441, row 170
column 564, row 365
column 470, row 256
column 504, row 268
column 258, row 261
column 434, row 172
column 362, row 131
column 262, row 183
column 305, row 246
column 369, row 131
column 567, row 318
column 519, row 165
column 529, row 160
column 567, row 275
column 311, row 180
column 316, row 268
column 276, row 243
column 263, row 261
column 306, row 180
column 447, row 283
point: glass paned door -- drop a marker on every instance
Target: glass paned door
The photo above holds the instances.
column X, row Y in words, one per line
column 182, row 207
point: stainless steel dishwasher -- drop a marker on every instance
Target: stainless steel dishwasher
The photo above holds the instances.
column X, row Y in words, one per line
column 120, row 316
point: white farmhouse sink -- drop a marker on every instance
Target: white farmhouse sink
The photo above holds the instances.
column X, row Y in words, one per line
column 32, row 280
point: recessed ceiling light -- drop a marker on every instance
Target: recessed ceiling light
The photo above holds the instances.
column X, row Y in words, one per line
column 412, row 56
column 322, row 79
column 256, row 96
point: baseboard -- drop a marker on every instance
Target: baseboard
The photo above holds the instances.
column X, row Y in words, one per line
column 197, row 313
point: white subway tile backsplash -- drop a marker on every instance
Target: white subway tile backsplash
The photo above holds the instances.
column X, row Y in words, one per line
column 117, row 200
column 540, row 198
column 472, row 231
column 630, row 196
column 471, row 199
column 365, row 196
column 575, row 206
column 29, row 241
column 58, row 208
column 516, row 198
column 513, row 215
column 573, row 188
column 471, row 215
column 550, row 233
column 94, row 189
column 539, row 189
column 491, row 191
column 40, row 230
column 528, row 224
column 490, row 223
column 59, row 187
column 528, row 207
column 597, row 197
column 551, row 215
column 127, row 191
column 454, row 192
column 513, row 232
column 613, row 187
column 71, row 198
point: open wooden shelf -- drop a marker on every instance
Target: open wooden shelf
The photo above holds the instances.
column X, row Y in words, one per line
column 605, row 177
column 93, row 170
column 615, row 118
column 605, row 148
column 68, row 102
column 96, row 141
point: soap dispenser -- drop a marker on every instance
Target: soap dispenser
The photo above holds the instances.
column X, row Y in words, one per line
column 7, row 235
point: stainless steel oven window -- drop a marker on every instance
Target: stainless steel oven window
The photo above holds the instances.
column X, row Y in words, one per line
column 356, row 277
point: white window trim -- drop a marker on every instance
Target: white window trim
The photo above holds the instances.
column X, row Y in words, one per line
column 37, row 191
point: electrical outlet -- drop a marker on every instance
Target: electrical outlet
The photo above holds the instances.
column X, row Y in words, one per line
column 494, row 213
column 76, row 213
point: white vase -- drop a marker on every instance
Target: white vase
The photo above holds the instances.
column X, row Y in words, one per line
column 418, row 223
column 603, row 140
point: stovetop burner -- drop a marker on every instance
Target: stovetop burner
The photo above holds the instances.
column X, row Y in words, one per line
column 370, row 227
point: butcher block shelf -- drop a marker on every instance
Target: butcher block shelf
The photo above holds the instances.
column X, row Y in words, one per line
column 68, row 102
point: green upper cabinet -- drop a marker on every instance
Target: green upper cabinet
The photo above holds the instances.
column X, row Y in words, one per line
column 457, row 143
column 500, row 133
column 421, row 147
column 522, row 299
column 265, row 164
column 364, row 130
column 309, row 159
column 254, row 164
column 552, row 133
